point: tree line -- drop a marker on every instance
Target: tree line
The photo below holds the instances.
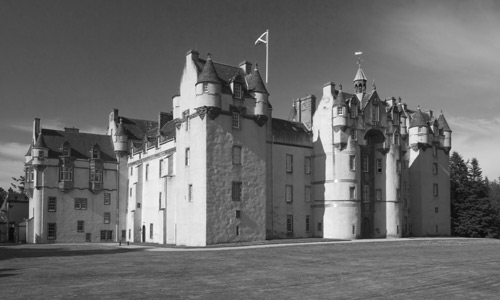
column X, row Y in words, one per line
column 475, row 201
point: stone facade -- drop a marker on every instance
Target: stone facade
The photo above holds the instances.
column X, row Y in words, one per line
column 221, row 169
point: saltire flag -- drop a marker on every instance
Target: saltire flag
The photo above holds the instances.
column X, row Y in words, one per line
column 262, row 39
column 358, row 53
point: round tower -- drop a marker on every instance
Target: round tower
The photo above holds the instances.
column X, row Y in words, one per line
column 120, row 140
column 339, row 110
column 419, row 129
column 208, row 86
column 260, row 93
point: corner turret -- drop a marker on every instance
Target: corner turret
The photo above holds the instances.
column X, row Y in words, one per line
column 339, row 110
column 39, row 153
column 419, row 129
column 120, row 140
column 258, row 90
column 208, row 87
column 445, row 132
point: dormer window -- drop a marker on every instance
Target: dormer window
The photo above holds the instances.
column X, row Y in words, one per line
column 205, row 87
column 95, row 152
column 238, row 91
column 66, row 149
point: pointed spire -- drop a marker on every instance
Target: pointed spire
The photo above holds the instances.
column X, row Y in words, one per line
column 293, row 112
column 208, row 74
column 339, row 100
column 442, row 123
column 120, row 129
column 360, row 75
column 255, row 82
column 40, row 142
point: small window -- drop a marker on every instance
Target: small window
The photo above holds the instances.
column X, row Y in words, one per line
column 88, row 237
column 236, row 155
column 187, row 158
column 51, row 232
column 131, row 171
column 307, row 193
column 289, row 193
column 185, row 116
column 80, row 203
column 396, row 139
column 106, row 235
column 375, row 114
column 398, row 166
column 96, row 175
column 354, row 110
column 96, row 152
column 66, row 149
column 190, row 192
column 353, row 134
column 65, row 173
column 80, row 226
column 205, row 87
column 138, row 204
column 365, row 163
column 435, row 189
column 436, row 210
column 307, row 165
column 146, row 175
column 150, row 230
column 420, row 131
column 159, row 201
column 130, row 192
column 308, row 223
column 289, row 223
column 237, row 214
column 434, row 151
column 340, row 111
column 52, row 204
column 161, row 166
column 107, row 198
column 236, row 191
column 352, row 192
column 171, row 165
column 107, row 217
column 379, row 165
column 320, row 226
column 238, row 91
column 434, row 168
column 378, row 193
column 236, row 119
column 41, row 154
column 237, row 230
column 289, row 163
column 352, row 162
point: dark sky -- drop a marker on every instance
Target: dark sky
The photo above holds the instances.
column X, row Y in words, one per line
column 71, row 62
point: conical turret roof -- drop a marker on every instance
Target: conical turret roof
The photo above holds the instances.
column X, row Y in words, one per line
column 208, row 74
column 418, row 119
column 120, row 130
column 360, row 75
column 255, row 82
column 40, row 142
column 339, row 100
column 443, row 124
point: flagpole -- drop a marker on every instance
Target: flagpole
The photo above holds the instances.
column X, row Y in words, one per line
column 267, row 56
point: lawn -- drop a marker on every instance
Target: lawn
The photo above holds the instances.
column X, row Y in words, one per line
column 404, row 269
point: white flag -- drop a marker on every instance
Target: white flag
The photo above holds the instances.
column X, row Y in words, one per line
column 262, row 39
column 358, row 53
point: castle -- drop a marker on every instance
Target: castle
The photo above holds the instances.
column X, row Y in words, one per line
column 220, row 169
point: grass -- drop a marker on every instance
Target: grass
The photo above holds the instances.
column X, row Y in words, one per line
column 407, row 269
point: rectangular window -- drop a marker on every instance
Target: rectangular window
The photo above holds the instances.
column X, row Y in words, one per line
column 379, row 165
column 130, row 192
column 107, row 198
column 138, row 205
column 151, row 230
column 396, row 139
column 237, row 214
column 434, row 151
column 80, row 226
column 131, row 171
column 187, row 156
column 308, row 223
column 124, row 235
column 289, row 163
column 190, row 192
column 205, row 87
column 161, row 166
column 107, row 217
column 289, row 223
column 185, row 116
column 354, row 110
column 398, row 166
column 236, row 191
column 307, row 192
column 352, row 162
column 237, row 230
column 238, row 91
column 66, row 173
column 171, row 165
column 106, row 235
column 419, row 130
column 436, row 209
column 236, row 155
column 365, row 163
column 159, row 201
column 378, row 193
column 435, row 189
column 353, row 134
column 434, row 168
column 289, row 193
column 81, row 203
column 340, row 111
column 366, row 193
column 236, row 119
column 96, row 175
column 320, row 226
column 96, row 153
column 375, row 113
column 147, row 172
column 307, row 165
column 88, row 237
column 52, row 204
column 352, row 192
column 51, row 232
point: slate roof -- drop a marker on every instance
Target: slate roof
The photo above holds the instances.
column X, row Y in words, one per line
column 418, row 119
column 40, row 142
column 80, row 143
column 208, row 73
column 255, row 82
column 284, row 125
column 360, row 75
column 443, row 125
column 136, row 129
column 168, row 130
